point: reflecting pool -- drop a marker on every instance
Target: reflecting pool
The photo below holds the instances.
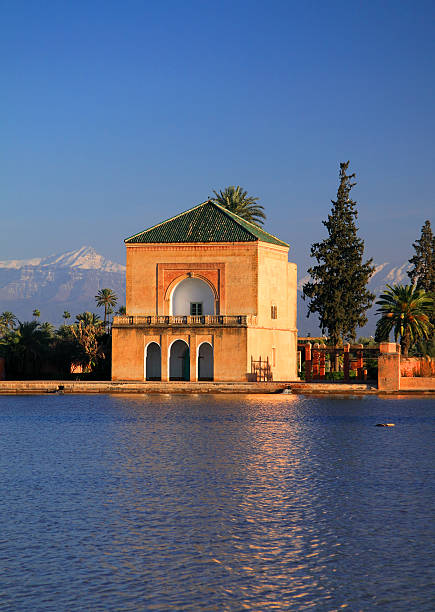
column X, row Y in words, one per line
column 216, row 502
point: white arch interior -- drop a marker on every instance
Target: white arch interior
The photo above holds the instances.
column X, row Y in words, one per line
column 179, row 361
column 205, row 361
column 192, row 291
column 153, row 362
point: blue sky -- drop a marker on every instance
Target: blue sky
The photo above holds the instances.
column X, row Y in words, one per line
column 117, row 115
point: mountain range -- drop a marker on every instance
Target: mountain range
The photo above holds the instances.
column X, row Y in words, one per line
column 69, row 281
column 52, row 284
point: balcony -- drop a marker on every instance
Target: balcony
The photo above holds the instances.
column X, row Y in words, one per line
column 185, row 321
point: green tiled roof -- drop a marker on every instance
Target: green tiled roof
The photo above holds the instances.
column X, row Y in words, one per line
column 208, row 222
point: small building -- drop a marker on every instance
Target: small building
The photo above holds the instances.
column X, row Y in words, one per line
column 210, row 296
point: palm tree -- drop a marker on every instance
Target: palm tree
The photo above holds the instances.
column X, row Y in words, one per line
column 121, row 311
column 30, row 344
column 8, row 320
column 406, row 311
column 236, row 200
column 108, row 299
column 36, row 313
column 66, row 315
column 89, row 318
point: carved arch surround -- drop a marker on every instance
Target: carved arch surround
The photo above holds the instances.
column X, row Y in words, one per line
column 170, row 274
column 182, row 277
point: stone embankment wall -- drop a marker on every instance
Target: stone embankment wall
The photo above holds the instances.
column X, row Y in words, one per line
column 396, row 373
column 9, row 387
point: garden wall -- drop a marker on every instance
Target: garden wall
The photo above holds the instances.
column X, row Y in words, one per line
column 397, row 373
column 417, row 366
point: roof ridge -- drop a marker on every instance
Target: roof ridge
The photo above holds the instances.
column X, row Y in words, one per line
column 230, row 214
column 167, row 220
column 217, row 223
column 257, row 227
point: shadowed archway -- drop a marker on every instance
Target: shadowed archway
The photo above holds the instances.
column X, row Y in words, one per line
column 205, row 362
column 179, row 361
column 153, row 362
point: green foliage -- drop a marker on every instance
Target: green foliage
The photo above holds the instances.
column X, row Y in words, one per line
column 108, row 299
column 422, row 274
column 369, row 342
column 36, row 350
column 424, row 348
column 406, row 311
column 26, row 348
column 236, row 200
column 7, row 322
column 36, row 313
column 89, row 336
column 338, row 286
column 89, row 318
column 121, row 310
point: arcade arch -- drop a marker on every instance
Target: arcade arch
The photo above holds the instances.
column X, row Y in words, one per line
column 179, row 361
column 153, row 362
column 205, row 367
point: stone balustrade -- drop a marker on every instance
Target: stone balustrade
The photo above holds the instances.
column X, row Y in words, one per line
column 188, row 321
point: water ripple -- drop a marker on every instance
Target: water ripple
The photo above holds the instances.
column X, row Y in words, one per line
column 215, row 503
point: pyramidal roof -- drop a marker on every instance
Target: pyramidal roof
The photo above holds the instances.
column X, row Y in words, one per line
column 207, row 222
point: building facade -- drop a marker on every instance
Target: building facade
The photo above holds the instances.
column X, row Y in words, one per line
column 210, row 296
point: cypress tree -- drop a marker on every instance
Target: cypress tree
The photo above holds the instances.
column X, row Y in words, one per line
column 338, row 287
column 422, row 274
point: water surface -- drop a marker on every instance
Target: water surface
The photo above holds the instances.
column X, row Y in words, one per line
column 207, row 503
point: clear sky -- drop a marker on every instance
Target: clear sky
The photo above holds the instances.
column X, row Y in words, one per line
column 117, row 115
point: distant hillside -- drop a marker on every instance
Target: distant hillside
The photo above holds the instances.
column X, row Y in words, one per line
column 384, row 273
column 68, row 281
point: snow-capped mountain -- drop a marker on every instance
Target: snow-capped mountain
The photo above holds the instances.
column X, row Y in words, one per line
column 69, row 281
column 66, row 281
column 385, row 273
column 85, row 258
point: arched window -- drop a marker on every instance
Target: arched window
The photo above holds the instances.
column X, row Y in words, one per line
column 192, row 296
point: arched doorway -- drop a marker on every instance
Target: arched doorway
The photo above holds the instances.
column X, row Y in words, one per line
column 205, row 361
column 153, row 362
column 179, row 361
column 192, row 296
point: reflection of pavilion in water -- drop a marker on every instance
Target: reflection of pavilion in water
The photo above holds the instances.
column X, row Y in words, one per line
column 207, row 294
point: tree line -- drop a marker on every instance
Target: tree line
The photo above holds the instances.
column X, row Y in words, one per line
column 337, row 291
column 33, row 349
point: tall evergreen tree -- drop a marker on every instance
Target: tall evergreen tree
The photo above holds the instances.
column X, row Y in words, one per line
column 338, row 286
column 422, row 274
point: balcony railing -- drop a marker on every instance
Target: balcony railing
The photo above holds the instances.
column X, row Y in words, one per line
column 200, row 320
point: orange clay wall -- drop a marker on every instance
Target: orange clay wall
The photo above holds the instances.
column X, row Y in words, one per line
column 248, row 278
column 275, row 339
column 149, row 274
column 229, row 348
